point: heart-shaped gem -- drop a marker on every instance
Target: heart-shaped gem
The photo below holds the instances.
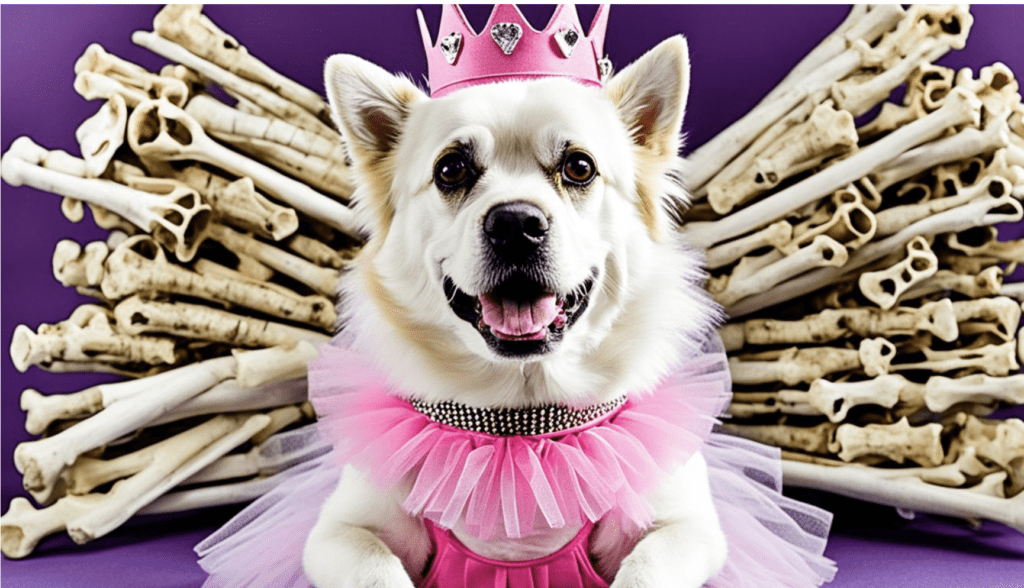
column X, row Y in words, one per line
column 450, row 46
column 506, row 35
column 567, row 40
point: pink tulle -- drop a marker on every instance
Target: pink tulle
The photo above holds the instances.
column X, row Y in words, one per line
column 597, row 470
column 575, row 477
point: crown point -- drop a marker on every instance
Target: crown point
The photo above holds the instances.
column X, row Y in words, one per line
column 450, row 47
column 567, row 39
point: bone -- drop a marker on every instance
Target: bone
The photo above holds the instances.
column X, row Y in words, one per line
column 320, row 279
column 982, row 212
column 102, row 75
column 823, row 250
column 233, row 84
column 1002, row 311
column 803, row 365
column 76, row 266
column 835, row 399
column 775, row 235
column 990, row 246
column 316, row 251
column 963, row 145
column 247, row 269
column 785, row 402
column 937, row 318
column 892, row 220
column 162, row 131
column 306, row 156
column 101, row 134
column 89, row 517
column 986, row 283
column 217, row 495
column 884, row 287
column 906, row 493
column 137, row 316
column 942, row 392
column 814, row 439
column 41, row 461
column 825, row 133
column 959, row 108
column 1000, row 442
column 994, row 360
column 236, row 203
column 849, row 221
column 898, row 442
column 139, row 265
column 189, row 28
column 88, row 335
column 177, row 218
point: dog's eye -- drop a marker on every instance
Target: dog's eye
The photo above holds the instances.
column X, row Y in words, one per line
column 451, row 171
column 578, row 168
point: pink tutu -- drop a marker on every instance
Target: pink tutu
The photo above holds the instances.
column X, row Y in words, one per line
column 574, row 477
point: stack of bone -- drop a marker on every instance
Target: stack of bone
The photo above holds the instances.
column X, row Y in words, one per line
column 852, row 240
column 228, row 227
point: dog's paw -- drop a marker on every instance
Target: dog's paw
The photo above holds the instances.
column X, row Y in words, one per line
column 374, row 573
column 641, row 571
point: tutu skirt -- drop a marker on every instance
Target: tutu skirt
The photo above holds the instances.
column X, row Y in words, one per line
column 519, row 483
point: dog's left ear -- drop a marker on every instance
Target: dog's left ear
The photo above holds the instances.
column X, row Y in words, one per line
column 368, row 104
column 651, row 95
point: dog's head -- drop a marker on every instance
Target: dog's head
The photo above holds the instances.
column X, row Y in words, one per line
column 522, row 243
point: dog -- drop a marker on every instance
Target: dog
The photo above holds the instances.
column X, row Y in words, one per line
column 522, row 252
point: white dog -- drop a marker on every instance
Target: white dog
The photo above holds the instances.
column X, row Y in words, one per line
column 523, row 252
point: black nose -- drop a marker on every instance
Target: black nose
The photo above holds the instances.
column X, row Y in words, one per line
column 515, row 229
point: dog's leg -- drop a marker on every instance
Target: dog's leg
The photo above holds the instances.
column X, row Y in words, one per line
column 363, row 539
column 685, row 548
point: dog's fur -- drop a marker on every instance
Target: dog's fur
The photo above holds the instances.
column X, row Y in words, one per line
column 613, row 237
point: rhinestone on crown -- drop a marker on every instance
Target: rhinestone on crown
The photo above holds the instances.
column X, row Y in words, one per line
column 507, row 422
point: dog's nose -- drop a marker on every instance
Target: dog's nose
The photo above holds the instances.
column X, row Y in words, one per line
column 515, row 229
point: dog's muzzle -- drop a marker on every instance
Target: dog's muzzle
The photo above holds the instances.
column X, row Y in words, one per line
column 515, row 231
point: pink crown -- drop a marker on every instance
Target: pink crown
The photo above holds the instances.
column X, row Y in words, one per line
column 510, row 49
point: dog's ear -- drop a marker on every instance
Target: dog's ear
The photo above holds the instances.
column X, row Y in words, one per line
column 368, row 104
column 651, row 95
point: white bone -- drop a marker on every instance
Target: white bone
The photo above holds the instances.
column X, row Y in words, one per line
column 1012, row 251
column 892, row 220
column 850, row 222
column 898, row 442
column 937, row 318
column 233, row 84
column 101, row 75
column 41, row 461
column 775, row 234
column 959, row 108
column 825, row 133
column 999, row 442
column 248, row 269
column 188, row 27
column 321, row 279
column 941, row 392
column 994, row 360
column 160, row 130
column 912, row 494
column 823, row 250
column 963, row 145
column 318, row 252
column 101, row 134
column 835, row 399
column 176, row 218
column 307, row 156
column 237, row 203
column 139, row 265
column 996, row 86
column 986, row 211
column 1003, row 311
column 217, row 495
column 885, row 286
column 137, row 316
column 795, row 365
column 89, row 517
column 985, row 283
column 787, row 402
column 814, row 439
column 74, row 265
column 230, row 396
column 87, row 336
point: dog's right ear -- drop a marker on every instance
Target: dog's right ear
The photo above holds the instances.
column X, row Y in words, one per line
column 368, row 104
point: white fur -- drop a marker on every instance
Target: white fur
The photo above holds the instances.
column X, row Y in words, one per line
column 646, row 308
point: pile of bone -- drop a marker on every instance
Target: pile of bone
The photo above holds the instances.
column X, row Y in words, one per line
column 871, row 334
column 228, row 229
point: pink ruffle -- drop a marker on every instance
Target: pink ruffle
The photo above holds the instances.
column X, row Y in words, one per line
column 569, row 478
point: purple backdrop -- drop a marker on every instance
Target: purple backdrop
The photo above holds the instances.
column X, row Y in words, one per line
column 738, row 53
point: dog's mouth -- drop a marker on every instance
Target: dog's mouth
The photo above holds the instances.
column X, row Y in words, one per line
column 520, row 317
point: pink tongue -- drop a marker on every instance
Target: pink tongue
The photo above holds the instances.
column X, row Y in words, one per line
column 517, row 319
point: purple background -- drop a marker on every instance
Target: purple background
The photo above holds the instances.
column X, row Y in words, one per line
column 738, row 53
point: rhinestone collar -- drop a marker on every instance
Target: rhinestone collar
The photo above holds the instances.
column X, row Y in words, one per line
column 507, row 422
